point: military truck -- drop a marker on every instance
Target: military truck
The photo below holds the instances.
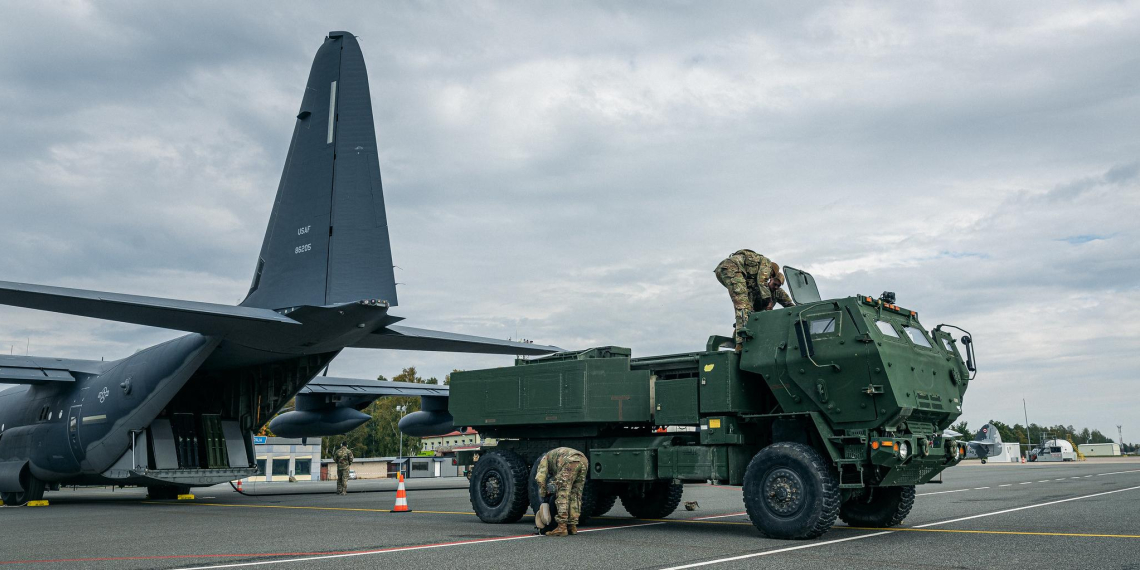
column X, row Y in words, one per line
column 832, row 408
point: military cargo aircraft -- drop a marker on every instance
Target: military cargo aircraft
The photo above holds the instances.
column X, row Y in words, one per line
column 181, row 413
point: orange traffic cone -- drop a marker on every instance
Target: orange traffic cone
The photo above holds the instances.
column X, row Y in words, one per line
column 401, row 497
column 239, row 486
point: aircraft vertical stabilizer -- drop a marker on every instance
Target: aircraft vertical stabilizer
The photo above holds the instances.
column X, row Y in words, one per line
column 327, row 240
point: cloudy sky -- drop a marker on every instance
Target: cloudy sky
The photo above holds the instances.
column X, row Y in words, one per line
column 572, row 172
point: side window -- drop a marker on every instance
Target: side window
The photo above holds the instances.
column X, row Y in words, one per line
column 946, row 344
column 887, row 329
column 827, row 324
column 917, row 336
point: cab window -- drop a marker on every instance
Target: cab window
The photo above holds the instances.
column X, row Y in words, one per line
column 887, row 329
column 947, row 343
column 823, row 326
column 917, row 337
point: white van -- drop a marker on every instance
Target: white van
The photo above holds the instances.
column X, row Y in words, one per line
column 1054, row 450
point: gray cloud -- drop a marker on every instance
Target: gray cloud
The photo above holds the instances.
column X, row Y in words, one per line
column 571, row 173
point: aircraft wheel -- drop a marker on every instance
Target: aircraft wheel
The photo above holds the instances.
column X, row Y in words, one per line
column 879, row 507
column 165, row 492
column 983, row 461
column 656, row 501
column 791, row 492
column 499, row 487
column 34, row 492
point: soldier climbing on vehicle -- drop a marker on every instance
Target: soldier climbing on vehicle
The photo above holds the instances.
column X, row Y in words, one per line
column 754, row 284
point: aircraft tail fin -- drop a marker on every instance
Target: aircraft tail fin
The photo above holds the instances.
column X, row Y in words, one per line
column 327, row 239
column 988, row 434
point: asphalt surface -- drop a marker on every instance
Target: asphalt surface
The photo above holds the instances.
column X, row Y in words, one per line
column 1071, row 515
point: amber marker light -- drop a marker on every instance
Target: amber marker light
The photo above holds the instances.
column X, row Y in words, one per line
column 874, row 445
column 888, row 444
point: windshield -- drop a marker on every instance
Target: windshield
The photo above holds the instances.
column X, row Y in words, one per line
column 917, row 337
column 886, row 329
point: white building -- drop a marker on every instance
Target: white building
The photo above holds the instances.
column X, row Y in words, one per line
column 279, row 457
column 1100, row 449
column 455, row 440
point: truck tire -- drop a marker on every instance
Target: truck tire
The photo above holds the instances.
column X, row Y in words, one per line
column 499, row 487
column 603, row 502
column 593, row 497
column 790, row 492
column 657, row 501
column 34, row 492
column 879, row 507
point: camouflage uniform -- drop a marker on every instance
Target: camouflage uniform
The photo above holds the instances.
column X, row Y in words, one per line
column 343, row 458
column 569, row 469
column 745, row 274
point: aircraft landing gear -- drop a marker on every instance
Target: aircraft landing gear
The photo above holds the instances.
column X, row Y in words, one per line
column 34, row 492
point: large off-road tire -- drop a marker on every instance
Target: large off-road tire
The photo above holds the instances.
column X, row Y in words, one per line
column 593, row 496
column 878, row 507
column 499, row 487
column 33, row 492
column 656, row 501
column 604, row 500
column 791, row 492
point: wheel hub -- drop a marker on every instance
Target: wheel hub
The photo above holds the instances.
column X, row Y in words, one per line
column 492, row 489
column 783, row 492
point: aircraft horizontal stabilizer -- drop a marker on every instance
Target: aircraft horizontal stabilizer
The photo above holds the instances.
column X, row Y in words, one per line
column 38, row 370
column 190, row 316
column 408, row 338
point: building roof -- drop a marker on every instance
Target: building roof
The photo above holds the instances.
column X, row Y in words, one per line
column 468, row 431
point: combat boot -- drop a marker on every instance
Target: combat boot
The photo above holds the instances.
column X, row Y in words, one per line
column 560, row 531
column 571, row 529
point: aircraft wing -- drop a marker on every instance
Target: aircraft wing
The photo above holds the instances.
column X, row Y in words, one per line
column 409, row 338
column 190, row 316
column 328, row 385
column 37, row 370
column 332, row 406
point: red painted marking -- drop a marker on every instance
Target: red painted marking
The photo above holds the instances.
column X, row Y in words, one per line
column 261, row 555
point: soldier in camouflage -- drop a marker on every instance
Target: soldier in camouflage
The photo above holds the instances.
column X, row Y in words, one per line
column 753, row 282
column 568, row 467
column 343, row 458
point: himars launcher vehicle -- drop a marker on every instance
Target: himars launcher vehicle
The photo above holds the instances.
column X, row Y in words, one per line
column 180, row 414
column 833, row 408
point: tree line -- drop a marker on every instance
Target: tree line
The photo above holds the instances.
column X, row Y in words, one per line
column 1035, row 434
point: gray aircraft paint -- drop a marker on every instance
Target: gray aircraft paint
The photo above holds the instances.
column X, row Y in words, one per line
column 323, row 282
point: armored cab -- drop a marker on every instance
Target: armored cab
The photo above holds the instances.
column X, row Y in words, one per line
column 832, row 407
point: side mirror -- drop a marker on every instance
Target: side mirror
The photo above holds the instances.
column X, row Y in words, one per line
column 969, row 344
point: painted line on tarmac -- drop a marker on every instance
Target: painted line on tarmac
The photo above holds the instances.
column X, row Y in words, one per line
column 303, row 508
column 1016, row 532
column 776, row 551
column 942, row 492
column 1026, row 483
column 863, row 536
column 401, row 549
column 1118, row 472
column 1038, row 505
column 718, row 516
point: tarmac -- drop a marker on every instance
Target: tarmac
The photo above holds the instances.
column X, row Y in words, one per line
column 1016, row 516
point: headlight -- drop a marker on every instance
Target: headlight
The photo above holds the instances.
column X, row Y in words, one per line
column 904, row 449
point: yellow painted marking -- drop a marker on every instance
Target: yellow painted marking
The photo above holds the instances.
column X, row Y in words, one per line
column 37, row 503
column 186, row 497
column 709, row 367
column 1017, row 532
